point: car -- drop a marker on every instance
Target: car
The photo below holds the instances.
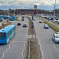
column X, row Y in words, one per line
column 55, row 38
column 40, row 21
column 51, row 19
column 18, row 24
column 46, row 26
column 22, row 19
column 24, row 25
column 54, row 20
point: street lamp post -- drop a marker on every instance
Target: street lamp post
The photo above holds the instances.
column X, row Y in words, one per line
column 54, row 8
column 14, row 9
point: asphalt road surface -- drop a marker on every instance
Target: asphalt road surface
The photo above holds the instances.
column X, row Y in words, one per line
column 14, row 49
column 49, row 49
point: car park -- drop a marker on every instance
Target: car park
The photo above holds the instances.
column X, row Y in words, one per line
column 46, row 26
column 40, row 21
column 55, row 38
column 24, row 25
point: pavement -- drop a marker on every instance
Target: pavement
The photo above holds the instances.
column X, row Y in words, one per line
column 49, row 49
column 14, row 49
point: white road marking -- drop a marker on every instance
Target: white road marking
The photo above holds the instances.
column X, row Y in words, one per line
column 9, row 47
column 41, row 49
column 56, row 48
column 18, row 41
column 6, row 50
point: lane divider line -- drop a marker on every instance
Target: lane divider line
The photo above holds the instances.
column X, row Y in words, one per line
column 41, row 49
column 9, row 47
column 56, row 48
column 6, row 50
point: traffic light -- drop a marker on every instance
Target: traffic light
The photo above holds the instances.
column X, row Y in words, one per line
column 32, row 26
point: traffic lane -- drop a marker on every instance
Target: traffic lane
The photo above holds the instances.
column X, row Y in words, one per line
column 17, row 42
column 5, row 47
column 56, row 45
column 2, row 49
column 45, row 39
column 15, row 51
column 13, row 40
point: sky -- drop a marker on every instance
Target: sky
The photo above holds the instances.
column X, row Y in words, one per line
column 28, row 4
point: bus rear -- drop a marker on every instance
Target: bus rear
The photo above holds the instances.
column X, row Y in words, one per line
column 3, row 38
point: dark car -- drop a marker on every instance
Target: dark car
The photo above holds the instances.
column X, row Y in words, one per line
column 18, row 24
column 24, row 25
column 22, row 19
column 52, row 19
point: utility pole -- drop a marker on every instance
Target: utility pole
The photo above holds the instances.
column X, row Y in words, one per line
column 14, row 9
column 54, row 8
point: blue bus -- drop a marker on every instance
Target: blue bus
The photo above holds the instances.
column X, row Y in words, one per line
column 7, row 33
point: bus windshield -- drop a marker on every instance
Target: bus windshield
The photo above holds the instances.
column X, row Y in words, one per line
column 2, row 34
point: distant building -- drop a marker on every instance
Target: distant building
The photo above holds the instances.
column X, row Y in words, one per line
column 26, row 11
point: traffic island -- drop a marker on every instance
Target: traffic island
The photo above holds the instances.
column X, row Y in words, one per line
column 30, row 28
column 32, row 49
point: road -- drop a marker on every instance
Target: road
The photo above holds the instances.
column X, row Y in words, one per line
column 50, row 22
column 49, row 49
column 14, row 49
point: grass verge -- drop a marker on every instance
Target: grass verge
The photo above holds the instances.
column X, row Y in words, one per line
column 33, row 51
column 52, row 26
column 30, row 29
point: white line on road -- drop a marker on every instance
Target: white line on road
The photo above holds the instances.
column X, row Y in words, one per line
column 9, row 47
column 41, row 49
column 55, row 47
column 6, row 50
column 17, row 41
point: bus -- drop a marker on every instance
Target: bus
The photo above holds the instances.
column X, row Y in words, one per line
column 7, row 33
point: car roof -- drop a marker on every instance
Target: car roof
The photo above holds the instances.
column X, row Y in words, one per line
column 45, row 24
column 56, row 34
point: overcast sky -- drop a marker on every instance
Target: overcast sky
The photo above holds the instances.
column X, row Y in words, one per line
column 28, row 4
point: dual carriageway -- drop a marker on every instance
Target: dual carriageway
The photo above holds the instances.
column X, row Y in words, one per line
column 14, row 49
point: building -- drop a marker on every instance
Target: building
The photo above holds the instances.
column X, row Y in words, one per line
column 26, row 11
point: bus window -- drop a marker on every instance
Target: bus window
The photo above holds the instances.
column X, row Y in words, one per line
column 2, row 34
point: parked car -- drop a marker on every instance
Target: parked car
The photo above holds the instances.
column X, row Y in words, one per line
column 54, row 20
column 55, row 38
column 24, row 25
column 51, row 18
column 46, row 26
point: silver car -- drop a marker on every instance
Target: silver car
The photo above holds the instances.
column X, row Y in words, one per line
column 55, row 38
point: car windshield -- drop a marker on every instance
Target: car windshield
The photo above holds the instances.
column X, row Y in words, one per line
column 2, row 34
column 56, row 36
